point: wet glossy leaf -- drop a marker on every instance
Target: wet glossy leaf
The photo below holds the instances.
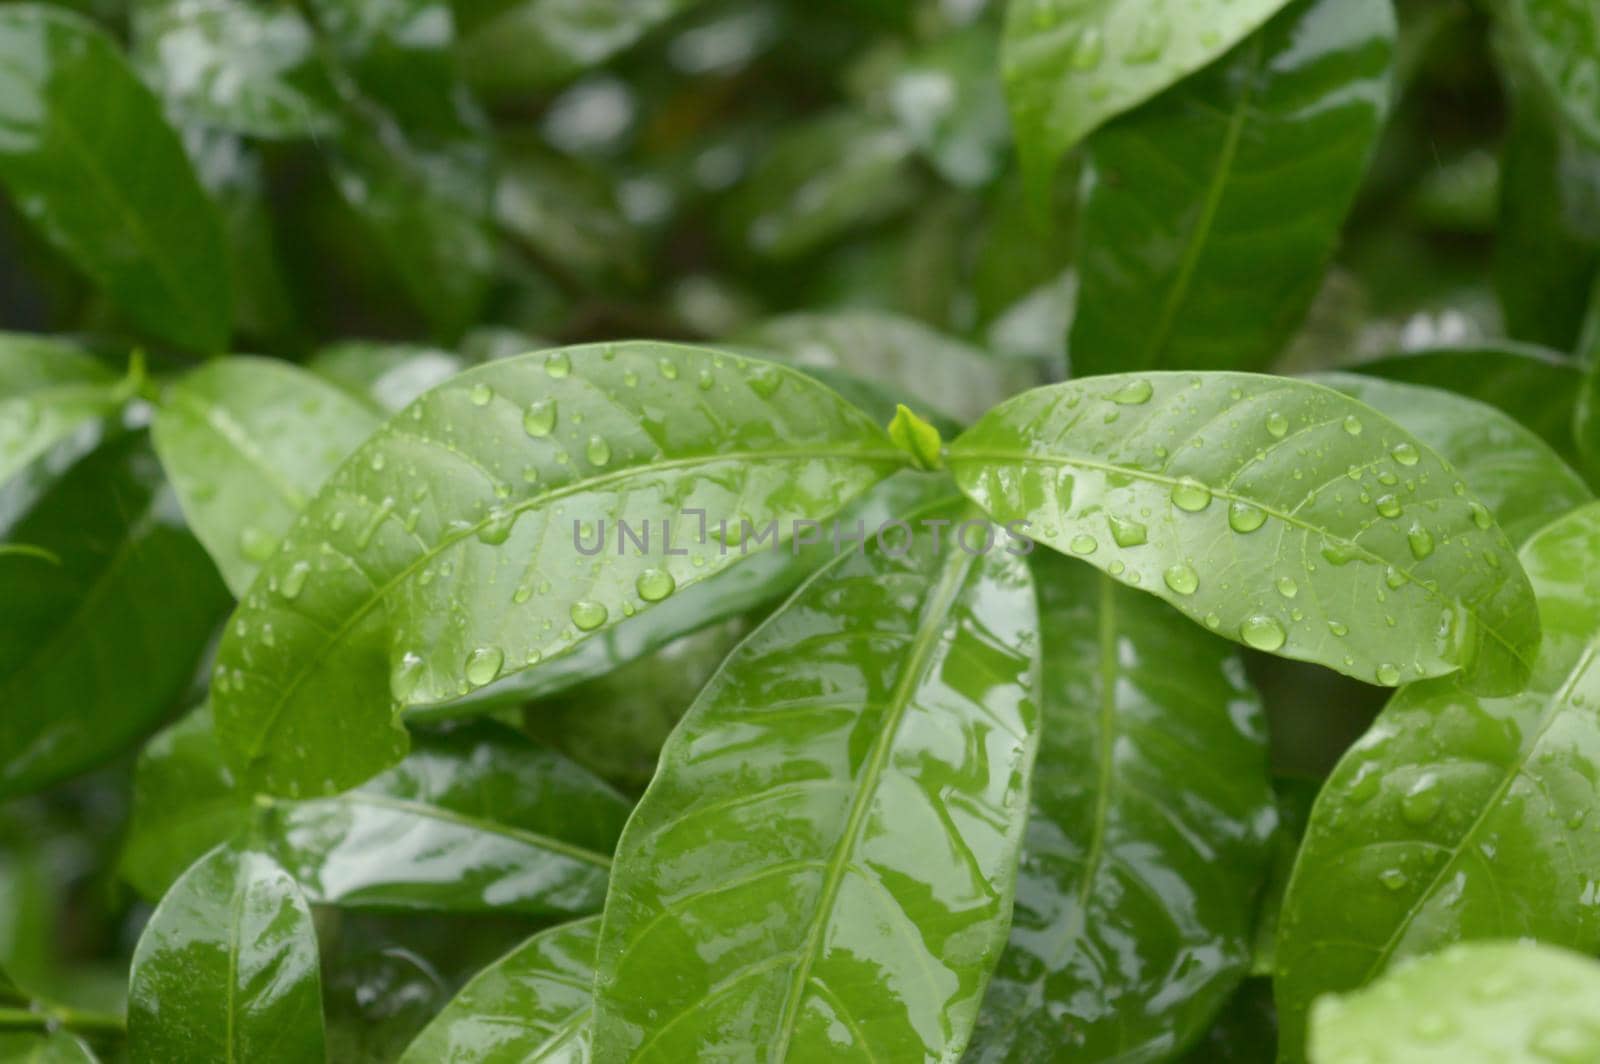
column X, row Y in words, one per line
column 247, row 442
column 911, row 361
column 47, row 389
column 1479, row 1001
column 248, row 67
column 1140, row 867
column 386, row 377
column 1560, row 41
column 1522, row 481
column 1213, row 209
column 448, row 550
column 57, row 1048
column 884, row 718
column 1460, row 817
column 1278, row 513
column 94, row 644
column 226, row 969
column 1534, row 385
column 821, row 181
column 88, row 158
column 949, row 98
column 1070, row 67
column 535, row 1004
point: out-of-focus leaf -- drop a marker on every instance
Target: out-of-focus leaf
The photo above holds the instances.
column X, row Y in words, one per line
column 1213, row 209
column 1521, row 480
column 95, row 647
column 1262, row 507
column 247, row 442
column 57, row 1048
column 243, row 66
column 949, row 99
column 533, row 1005
column 883, row 719
column 820, row 181
column 226, row 969
column 567, row 215
column 401, row 54
column 1148, row 838
column 88, row 158
column 1560, row 43
column 1071, row 66
column 459, row 542
column 1245, row 1032
column 387, row 377
column 1535, row 386
column 47, row 389
column 1457, row 816
column 910, row 360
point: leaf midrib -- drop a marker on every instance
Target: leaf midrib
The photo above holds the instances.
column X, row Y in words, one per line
column 313, row 661
column 1106, row 749
column 952, row 578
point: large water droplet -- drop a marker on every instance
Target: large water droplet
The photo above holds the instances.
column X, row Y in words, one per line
column 1287, row 587
column 1126, row 531
column 1352, row 425
column 1262, row 632
column 1089, row 49
column 294, row 580
column 1422, row 799
column 1083, row 543
column 1388, row 674
column 406, row 677
column 1405, row 453
column 481, row 394
column 1388, row 506
column 496, row 528
column 255, row 544
column 540, row 418
column 1181, row 578
column 764, row 380
column 483, row 665
column 1393, row 879
column 598, row 451
column 588, row 615
column 558, row 364
column 654, row 585
column 1480, row 514
column 1277, row 425
column 1242, row 517
column 1133, row 393
column 668, row 368
column 1421, row 541
column 1339, row 628
column 1191, row 495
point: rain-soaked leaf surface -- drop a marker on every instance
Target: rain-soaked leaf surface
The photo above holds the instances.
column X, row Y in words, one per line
column 1458, row 816
column 47, row 389
column 893, row 752
column 1276, row 512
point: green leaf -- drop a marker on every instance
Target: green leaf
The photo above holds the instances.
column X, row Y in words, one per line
column 446, row 551
column 566, row 215
column 247, row 67
column 48, row 389
column 89, row 159
column 883, row 722
column 1522, row 481
column 1481, row 1001
column 1148, row 838
column 1458, row 816
column 1261, row 506
column 822, row 180
column 1536, row 386
column 386, row 377
column 226, row 969
column 1560, row 42
column 532, row 1005
column 949, row 99
column 917, row 438
column 901, row 354
column 247, row 442
column 57, row 1048
column 1212, row 210
column 1070, row 67
column 94, row 650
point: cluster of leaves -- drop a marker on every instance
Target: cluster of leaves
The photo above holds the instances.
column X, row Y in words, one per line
column 1153, row 706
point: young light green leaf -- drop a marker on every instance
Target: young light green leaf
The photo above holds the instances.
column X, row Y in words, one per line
column 1277, row 512
column 237, row 65
column 88, row 158
column 1476, row 1001
column 1560, row 42
column 903, row 355
column 226, row 969
column 386, row 377
column 534, row 1005
column 1457, row 816
column 1536, row 386
column 1070, row 67
column 47, row 389
column 460, row 542
column 1212, row 210
column 247, row 442
column 884, row 717
column 1148, row 838
column 1522, row 481
column 93, row 650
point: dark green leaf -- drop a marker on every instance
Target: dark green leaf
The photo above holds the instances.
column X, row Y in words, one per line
column 1070, row 67
column 1263, row 508
column 1148, row 838
column 567, row 215
column 94, row 649
column 1460, row 817
column 401, row 54
column 446, row 551
column 1523, row 482
column 88, row 158
column 882, row 722
column 58, row 1048
column 247, row 442
column 1485, row 1001
column 534, row 1004
column 1560, row 40
column 47, row 390
column 226, row 969
column 1536, row 386
column 1212, row 210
